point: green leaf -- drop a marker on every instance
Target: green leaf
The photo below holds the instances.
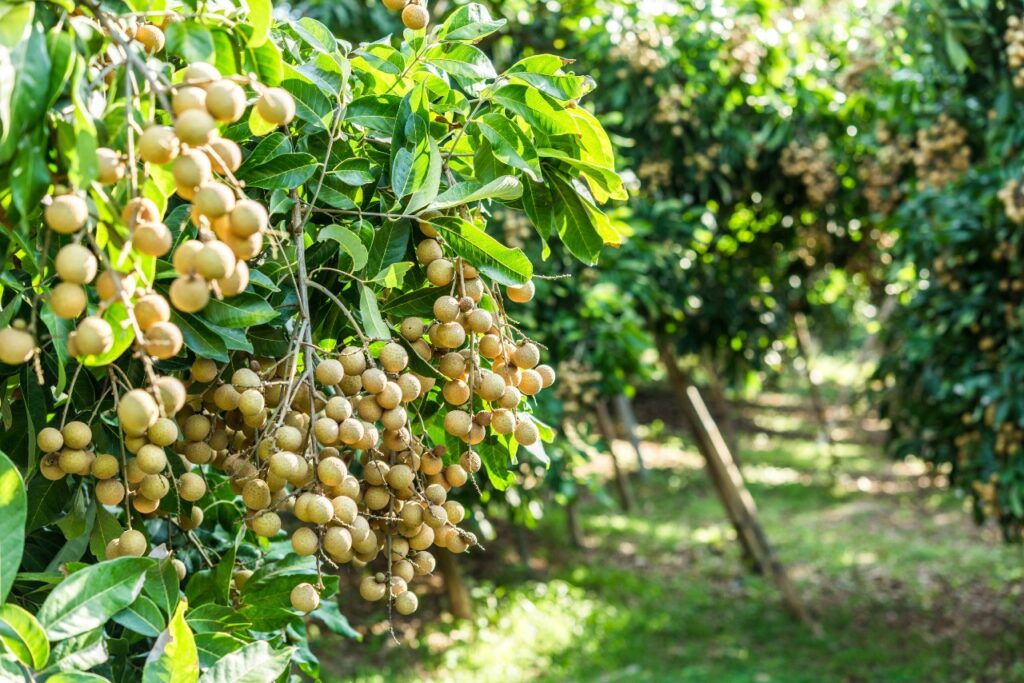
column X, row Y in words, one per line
column 124, row 334
column 507, row 266
column 199, row 338
column 47, row 501
column 283, row 172
column 210, row 618
column 89, row 597
column 315, row 34
column 376, row 112
column 574, row 220
column 12, row 523
column 260, row 18
column 539, row 110
column 373, row 324
column 24, row 73
column 76, row 677
column 79, row 652
column 418, row 303
column 266, row 61
column 105, row 530
column 510, row 144
column 29, row 176
column 174, row 657
column 336, row 622
column 239, row 311
column 349, row 241
column 215, row 646
column 394, row 275
column 604, row 183
column 23, row 636
column 504, row 189
column 191, row 41
column 461, row 60
column 388, row 246
column 143, row 617
column 162, row 585
column 469, row 22
column 255, row 663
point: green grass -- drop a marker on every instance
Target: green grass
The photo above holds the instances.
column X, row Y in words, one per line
column 903, row 587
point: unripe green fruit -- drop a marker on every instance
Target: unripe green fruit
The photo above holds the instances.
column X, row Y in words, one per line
column 415, row 17
column 200, row 74
column 188, row 97
column 110, row 168
column 189, row 294
column 521, row 294
column 191, row 169
column 131, row 543
column 407, row 602
column 191, row 487
column 105, row 466
column 158, row 145
column 304, row 598
column 137, row 411
column 266, row 524
column 75, row 263
column 225, row 100
column 77, row 435
column 49, row 440
column 305, row 541
column 68, row 300
column 241, row 577
column 151, row 459
column 195, row 127
column 110, row 492
column 66, row 214
column 276, row 106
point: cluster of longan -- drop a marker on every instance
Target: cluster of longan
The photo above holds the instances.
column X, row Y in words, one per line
column 578, row 389
column 745, row 48
column 942, row 154
column 705, row 162
column 1012, row 196
column 414, row 15
column 880, row 174
column 814, row 166
column 640, row 50
column 1014, row 38
column 655, row 173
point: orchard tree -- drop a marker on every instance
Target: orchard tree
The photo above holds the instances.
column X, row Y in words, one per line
column 254, row 323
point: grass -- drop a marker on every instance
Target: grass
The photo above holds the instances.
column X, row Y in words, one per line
column 904, row 587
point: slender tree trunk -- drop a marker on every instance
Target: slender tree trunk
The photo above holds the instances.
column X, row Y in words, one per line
column 607, row 429
column 736, row 499
column 805, row 347
column 720, row 406
column 624, row 408
column 572, row 521
column 458, row 596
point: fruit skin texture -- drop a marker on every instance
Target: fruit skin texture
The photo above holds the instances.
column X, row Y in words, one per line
column 137, row 411
column 277, row 106
column 189, row 294
column 94, row 336
column 158, row 145
column 415, row 17
column 76, row 264
column 304, row 598
column 66, row 214
column 225, row 100
column 395, row 5
column 68, row 300
column 195, row 127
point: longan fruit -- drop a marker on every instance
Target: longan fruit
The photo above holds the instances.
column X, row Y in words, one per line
column 407, row 602
column 374, row 380
column 191, row 169
column 479, row 321
column 395, row 5
column 94, row 336
column 236, row 282
column 151, row 459
column 158, row 145
column 66, row 214
column 526, row 355
column 195, row 127
column 163, row 432
column 329, row 372
column 452, row 365
column 412, row 329
column 225, row 100
column 423, row 538
column 338, row 408
column 256, row 494
column 428, row 251
column 74, row 461
column 16, row 345
column 455, row 392
column 456, row 476
column 215, row 260
column 213, row 200
column 150, row 37
column 410, row 386
column 511, row 398
column 431, row 463
column 49, row 467
column 152, row 239
column 353, row 360
column 200, row 74
column 372, row 590
column 289, row 438
column 77, row 435
column 276, row 106
column 394, row 357
column 50, row 440
column 191, row 487
column 248, row 217
column 305, row 541
column 526, row 432
column 521, row 294
column 531, row 382
column 170, row 394
column 304, row 598
column 337, row 541
column 547, row 375
column 110, row 166
column 112, row 549
column 266, row 524
column 244, row 378
column 424, row 563
column 137, row 411
column 351, row 431
column 415, row 16
column 435, row 493
column 154, row 487
column 139, row 210
column 435, row 517
column 76, row 264
column 189, row 294
column 331, row 471
column 441, row 272
column 131, row 543
column 251, row 402
column 164, row 340
column 110, row 492
column 450, row 336
column 68, row 300
column 204, row 370
column 225, row 155
column 283, row 464
column 446, row 309
column 150, row 309
column 194, row 519
column 179, row 568
column 244, row 248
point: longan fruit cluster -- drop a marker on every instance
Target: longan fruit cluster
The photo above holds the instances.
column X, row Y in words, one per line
column 414, row 14
column 813, row 166
column 942, row 154
column 1014, row 38
column 881, row 173
column 1012, row 196
column 640, row 50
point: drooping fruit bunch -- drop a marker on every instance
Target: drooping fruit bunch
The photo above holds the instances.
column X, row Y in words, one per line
column 813, row 166
column 1012, row 196
column 1014, row 38
column 881, row 172
column 942, row 153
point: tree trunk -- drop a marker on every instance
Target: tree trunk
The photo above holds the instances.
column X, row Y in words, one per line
column 721, row 407
column 458, row 596
column 805, row 347
column 728, row 479
column 572, row 520
column 607, row 429
column 624, row 408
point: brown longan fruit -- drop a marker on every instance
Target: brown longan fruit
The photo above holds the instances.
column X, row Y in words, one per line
column 132, row 543
column 110, row 492
column 547, row 375
column 337, row 542
column 446, row 309
column 371, row 589
column 412, row 329
column 526, row 355
column 189, row 294
column 152, row 239
column 521, row 294
column 77, row 435
column 394, row 357
column 170, row 393
column 194, row 519
column 49, row 467
column 320, row 510
column 331, row 471
column 200, row 74
column 76, row 264
column 150, row 37
column 154, row 487
column 479, row 320
column 16, row 345
column 151, row 308
column 353, row 360
column 435, row 517
column 531, row 382
column 395, row 5
column 423, row 538
column 424, row 563
column 338, row 408
column 225, row 155
column 151, row 459
column 526, row 432
column 191, row 169
column 305, row 541
column 456, row 476
column 276, row 106
column 407, row 602
column 137, row 411
column 164, row 340
column 435, row 493
column 94, row 336
column 158, row 145
column 455, row 392
column 191, row 487
column 105, row 466
column 225, row 100
column 204, row 370
column 68, row 300
column 248, row 217
column 164, row 432
column 236, row 282
column 213, row 200
column 215, row 260
column 441, row 272
column 415, row 16
column 376, row 497
column 304, row 598
column 346, row 510
column 195, row 127
column 110, row 166
column 449, row 336
column 74, row 461
column 266, row 524
column 49, row 440
column 112, row 550
column 66, row 214
column 329, row 372
column 428, row 251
